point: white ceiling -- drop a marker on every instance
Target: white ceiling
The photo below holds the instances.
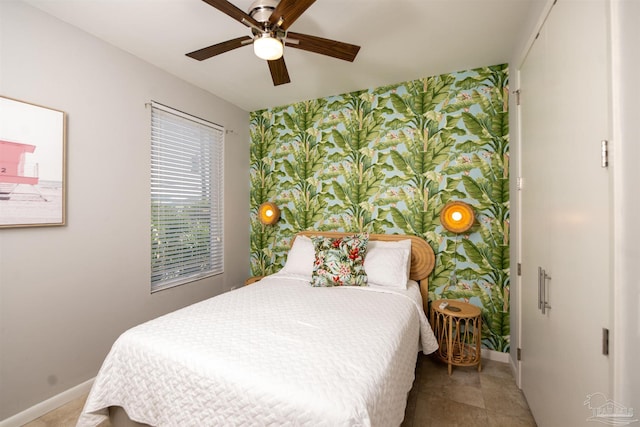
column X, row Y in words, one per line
column 401, row 40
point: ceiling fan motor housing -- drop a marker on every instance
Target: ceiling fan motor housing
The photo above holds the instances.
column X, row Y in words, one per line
column 261, row 10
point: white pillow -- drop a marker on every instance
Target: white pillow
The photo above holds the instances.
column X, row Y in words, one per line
column 301, row 257
column 388, row 263
column 373, row 244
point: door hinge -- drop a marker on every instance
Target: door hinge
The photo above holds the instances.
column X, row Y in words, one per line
column 517, row 94
column 518, row 353
column 604, row 153
column 519, row 269
column 519, row 183
column 605, row 341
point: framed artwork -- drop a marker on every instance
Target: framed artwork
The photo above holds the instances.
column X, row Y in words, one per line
column 32, row 165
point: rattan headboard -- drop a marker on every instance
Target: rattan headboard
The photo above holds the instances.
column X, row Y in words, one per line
column 422, row 257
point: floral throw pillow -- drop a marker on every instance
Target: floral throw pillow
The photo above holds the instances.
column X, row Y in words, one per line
column 339, row 261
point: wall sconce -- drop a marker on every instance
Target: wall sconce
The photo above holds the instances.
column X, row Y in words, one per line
column 268, row 213
column 457, row 217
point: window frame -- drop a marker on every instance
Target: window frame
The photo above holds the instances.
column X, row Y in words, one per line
column 186, row 185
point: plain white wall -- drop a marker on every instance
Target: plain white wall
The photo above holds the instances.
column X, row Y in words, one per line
column 66, row 293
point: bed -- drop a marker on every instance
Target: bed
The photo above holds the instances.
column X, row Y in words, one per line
column 279, row 351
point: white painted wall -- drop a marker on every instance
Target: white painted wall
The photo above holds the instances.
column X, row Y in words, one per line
column 66, row 293
column 625, row 157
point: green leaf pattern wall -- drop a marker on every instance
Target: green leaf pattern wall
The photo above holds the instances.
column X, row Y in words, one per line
column 386, row 160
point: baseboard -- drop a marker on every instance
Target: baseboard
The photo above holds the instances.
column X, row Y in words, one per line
column 498, row 356
column 48, row 405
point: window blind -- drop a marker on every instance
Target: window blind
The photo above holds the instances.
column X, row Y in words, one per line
column 186, row 198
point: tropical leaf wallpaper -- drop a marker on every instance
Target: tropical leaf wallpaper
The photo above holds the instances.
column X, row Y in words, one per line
column 386, row 160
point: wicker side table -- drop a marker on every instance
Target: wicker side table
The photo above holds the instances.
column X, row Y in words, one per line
column 458, row 328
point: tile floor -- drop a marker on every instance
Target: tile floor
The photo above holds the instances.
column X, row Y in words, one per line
column 466, row 398
column 64, row 416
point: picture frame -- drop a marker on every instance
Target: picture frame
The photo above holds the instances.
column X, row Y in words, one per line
column 32, row 165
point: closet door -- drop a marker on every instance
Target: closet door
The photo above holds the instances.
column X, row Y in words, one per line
column 565, row 202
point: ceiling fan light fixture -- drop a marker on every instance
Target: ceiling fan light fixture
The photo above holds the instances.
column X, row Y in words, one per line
column 267, row 47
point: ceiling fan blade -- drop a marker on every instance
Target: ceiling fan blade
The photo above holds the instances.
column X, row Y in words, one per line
column 279, row 73
column 340, row 50
column 289, row 11
column 225, row 7
column 217, row 49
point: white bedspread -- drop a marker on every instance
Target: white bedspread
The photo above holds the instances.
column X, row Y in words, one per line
column 276, row 353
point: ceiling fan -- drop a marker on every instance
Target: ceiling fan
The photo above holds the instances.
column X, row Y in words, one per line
column 269, row 21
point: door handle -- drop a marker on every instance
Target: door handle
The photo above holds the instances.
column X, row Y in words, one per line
column 540, row 288
column 545, row 303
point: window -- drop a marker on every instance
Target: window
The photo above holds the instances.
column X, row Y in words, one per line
column 186, row 198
